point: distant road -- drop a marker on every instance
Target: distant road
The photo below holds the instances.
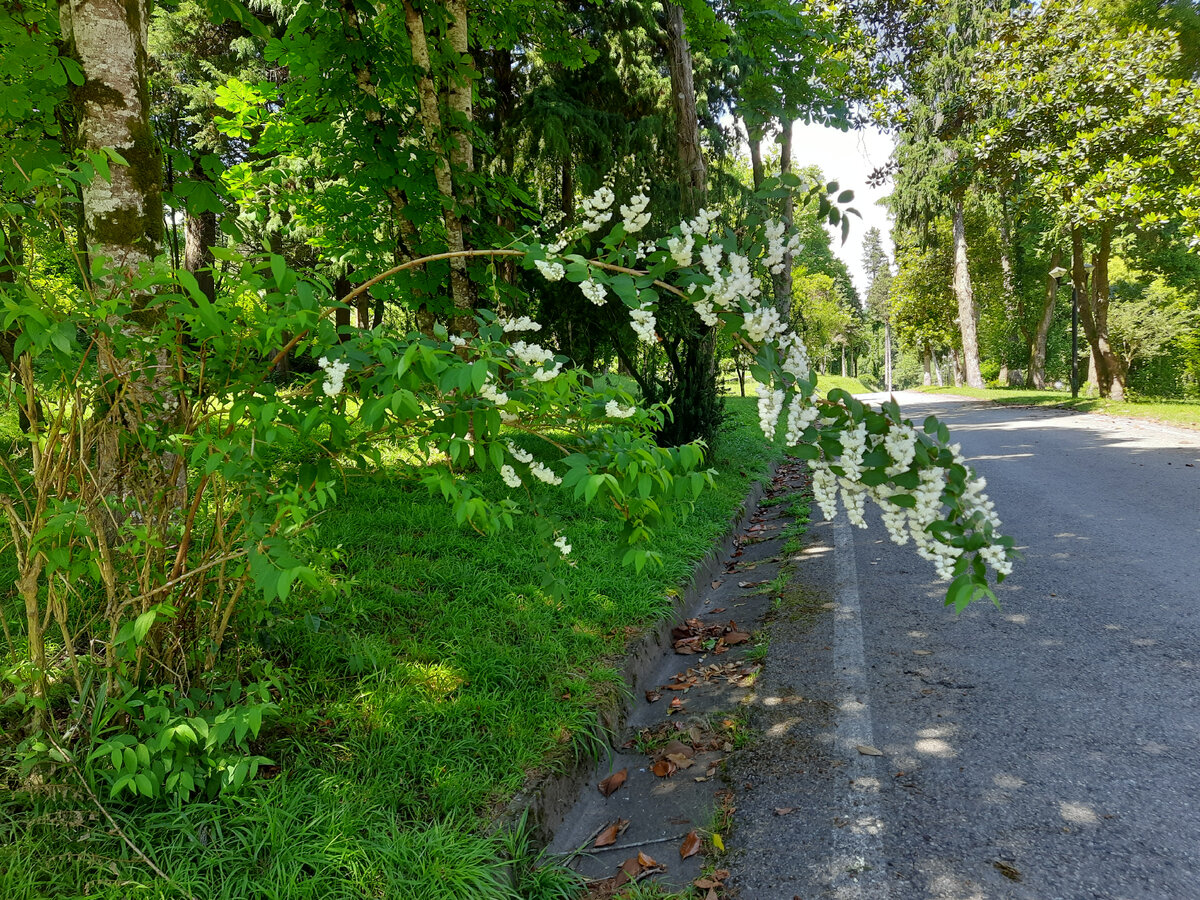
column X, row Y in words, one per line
column 1047, row 750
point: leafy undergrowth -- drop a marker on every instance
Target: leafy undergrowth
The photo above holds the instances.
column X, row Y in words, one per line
column 416, row 703
column 1182, row 413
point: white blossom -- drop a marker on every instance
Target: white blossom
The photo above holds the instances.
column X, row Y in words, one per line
column 563, row 547
column 510, row 476
column 521, row 456
column 594, row 291
column 489, row 391
column 633, row 214
column 643, row 322
column 524, row 323
column 770, row 405
column 544, row 473
column 552, row 271
column 615, row 410
column 681, row 250
column 335, row 375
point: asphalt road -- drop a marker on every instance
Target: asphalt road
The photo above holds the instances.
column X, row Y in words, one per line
column 1048, row 749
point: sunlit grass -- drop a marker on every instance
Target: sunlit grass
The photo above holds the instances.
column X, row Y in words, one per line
column 1184, row 413
column 417, row 702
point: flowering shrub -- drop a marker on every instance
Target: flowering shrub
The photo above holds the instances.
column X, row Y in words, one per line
column 219, row 532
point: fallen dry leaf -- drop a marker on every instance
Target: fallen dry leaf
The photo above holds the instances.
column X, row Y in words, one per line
column 610, row 784
column 690, row 845
column 706, row 884
column 922, row 653
column 664, row 768
column 750, row 584
column 784, row 810
column 735, row 637
column 632, row 867
column 719, row 609
column 645, row 861
column 677, row 705
column 677, row 748
column 681, row 761
column 711, row 895
column 652, row 696
column 1012, row 873
column 868, row 750
column 716, row 584
column 681, row 686
column 609, row 835
column 695, row 734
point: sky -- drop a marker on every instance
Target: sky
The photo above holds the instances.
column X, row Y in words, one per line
column 848, row 157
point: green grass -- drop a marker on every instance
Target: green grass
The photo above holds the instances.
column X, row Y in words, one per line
column 1183, row 413
column 825, row 383
column 417, row 703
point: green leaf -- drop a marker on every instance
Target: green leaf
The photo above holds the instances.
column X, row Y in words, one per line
column 143, row 624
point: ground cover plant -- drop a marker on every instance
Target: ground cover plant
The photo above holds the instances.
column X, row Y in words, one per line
column 414, row 706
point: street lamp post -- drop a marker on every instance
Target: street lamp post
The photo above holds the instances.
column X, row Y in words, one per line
column 1057, row 274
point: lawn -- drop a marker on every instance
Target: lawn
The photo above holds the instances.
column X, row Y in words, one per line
column 414, row 705
column 1183, row 413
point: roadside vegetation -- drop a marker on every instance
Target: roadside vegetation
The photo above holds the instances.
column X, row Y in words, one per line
column 415, row 699
column 1182, row 413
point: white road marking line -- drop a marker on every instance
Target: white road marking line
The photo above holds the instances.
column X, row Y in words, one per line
column 857, row 871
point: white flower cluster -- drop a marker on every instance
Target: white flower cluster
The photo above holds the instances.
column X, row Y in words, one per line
column 615, row 410
column 643, row 322
column 535, row 355
column 854, row 448
column 634, row 214
column 544, row 473
column 901, row 445
column 770, row 405
column 800, row 416
column 778, row 248
column 335, row 375
column 594, row 291
column 563, row 547
column 680, row 249
column 521, row 456
column 489, row 391
column 825, row 487
column 552, row 271
column 597, row 209
column 458, row 340
column 524, row 323
column 763, row 324
column 701, row 224
column 854, row 496
column 510, row 476
column 795, row 355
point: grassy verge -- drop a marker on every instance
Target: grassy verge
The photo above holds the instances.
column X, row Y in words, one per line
column 415, row 705
column 1183, row 413
column 825, row 383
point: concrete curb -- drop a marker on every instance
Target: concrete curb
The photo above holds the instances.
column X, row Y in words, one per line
column 545, row 799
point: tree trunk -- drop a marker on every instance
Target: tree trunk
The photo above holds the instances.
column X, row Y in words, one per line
column 783, row 282
column 1100, row 300
column 757, row 172
column 200, row 236
column 693, row 176
column 123, row 224
column 1094, row 317
column 967, row 314
column 887, row 354
column 431, row 120
column 927, row 360
column 1037, row 352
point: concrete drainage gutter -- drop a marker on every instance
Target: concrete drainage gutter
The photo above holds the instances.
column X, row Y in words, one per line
column 546, row 799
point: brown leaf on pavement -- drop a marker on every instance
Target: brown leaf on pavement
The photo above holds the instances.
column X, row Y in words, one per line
column 690, row 845
column 664, row 768
column 647, row 862
column 735, row 637
column 784, row 810
column 652, row 696
column 677, row 748
column 868, row 750
column 614, row 781
column 681, row 761
column 609, row 835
